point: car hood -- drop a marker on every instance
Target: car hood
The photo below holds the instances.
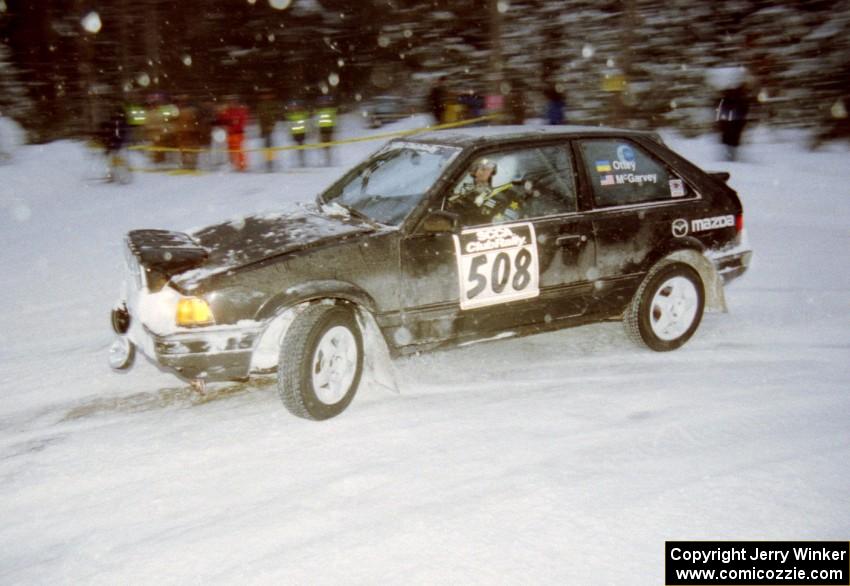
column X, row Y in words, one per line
column 251, row 239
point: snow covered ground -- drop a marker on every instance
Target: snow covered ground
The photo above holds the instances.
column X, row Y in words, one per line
column 567, row 457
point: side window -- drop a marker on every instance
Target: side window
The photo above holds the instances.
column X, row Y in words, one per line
column 515, row 185
column 622, row 173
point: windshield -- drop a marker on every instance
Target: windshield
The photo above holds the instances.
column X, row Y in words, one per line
column 389, row 185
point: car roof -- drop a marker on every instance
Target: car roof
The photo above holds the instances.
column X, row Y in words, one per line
column 491, row 135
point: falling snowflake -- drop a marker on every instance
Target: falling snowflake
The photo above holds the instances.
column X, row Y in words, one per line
column 502, row 6
column 383, row 41
column 280, row 4
column 91, row 22
column 143, row 79
column 187, row 60
column 587, row 51
column 333, row 79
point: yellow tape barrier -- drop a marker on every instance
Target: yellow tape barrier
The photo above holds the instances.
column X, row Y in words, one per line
column 320, row 145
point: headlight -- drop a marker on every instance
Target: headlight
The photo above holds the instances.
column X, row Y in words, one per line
column 194, row 311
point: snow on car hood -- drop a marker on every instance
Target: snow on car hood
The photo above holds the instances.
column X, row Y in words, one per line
column 243, row 241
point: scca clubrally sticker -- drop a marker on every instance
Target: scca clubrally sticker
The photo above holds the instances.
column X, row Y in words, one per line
column 497, row 264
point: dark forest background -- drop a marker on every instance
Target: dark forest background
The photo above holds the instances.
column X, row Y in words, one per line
column 641, row 63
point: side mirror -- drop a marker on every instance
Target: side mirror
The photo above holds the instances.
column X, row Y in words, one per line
column 439, row 221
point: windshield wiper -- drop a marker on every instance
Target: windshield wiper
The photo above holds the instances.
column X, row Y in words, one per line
column 352, row 211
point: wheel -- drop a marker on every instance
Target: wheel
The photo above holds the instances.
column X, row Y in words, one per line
column 321, row 361
column 667, row 308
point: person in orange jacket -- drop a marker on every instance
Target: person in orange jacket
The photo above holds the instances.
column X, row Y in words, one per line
column 234, row 118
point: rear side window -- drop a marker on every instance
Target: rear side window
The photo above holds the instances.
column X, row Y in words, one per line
column 623, row 173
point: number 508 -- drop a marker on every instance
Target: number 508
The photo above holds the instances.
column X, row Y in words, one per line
column 501, row 272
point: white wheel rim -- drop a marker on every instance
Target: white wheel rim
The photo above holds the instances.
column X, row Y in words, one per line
column 673, row 308
column 334, row 365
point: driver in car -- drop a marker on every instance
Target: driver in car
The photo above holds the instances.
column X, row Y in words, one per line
column 479, row 202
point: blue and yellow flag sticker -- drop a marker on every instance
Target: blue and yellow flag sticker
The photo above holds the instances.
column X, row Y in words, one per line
column 603, row 166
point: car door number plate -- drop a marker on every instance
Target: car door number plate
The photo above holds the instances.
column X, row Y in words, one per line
column 497, row 264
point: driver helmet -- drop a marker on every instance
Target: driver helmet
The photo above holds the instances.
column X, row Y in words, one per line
column 485, row 164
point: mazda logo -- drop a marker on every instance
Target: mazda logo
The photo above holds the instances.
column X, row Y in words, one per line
column 680, row 228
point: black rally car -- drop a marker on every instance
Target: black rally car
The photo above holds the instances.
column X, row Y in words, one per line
column 437, row 239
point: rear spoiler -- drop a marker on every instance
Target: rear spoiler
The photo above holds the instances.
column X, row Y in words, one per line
column 163, row 254
column 721, row 175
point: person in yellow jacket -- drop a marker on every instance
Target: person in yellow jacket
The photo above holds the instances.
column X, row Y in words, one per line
column 297, row 117
column 159, row 126
column 326, row 121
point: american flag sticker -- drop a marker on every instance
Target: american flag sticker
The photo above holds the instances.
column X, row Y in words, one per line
column 607, row 180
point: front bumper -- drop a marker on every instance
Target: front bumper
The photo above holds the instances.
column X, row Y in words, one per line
column 214, row 353
column 218, row 355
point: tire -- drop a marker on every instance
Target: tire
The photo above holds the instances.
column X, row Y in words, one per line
column 667, row 307
column 321, row 362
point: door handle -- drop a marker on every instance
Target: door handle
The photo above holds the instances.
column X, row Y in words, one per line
column 564, row 240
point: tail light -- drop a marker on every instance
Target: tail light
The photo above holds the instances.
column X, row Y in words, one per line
column 739, row 223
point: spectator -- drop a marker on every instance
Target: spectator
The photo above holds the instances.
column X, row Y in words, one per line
column 297, row 117
column 234, row 119
column 188, row 135
column 268, row 114
column 114, row 134
column 159, row 126
column 326, row 121
column 731, row 118
column 437, row 100
column 555, row 105
column 516, row 105
column 838, row 126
